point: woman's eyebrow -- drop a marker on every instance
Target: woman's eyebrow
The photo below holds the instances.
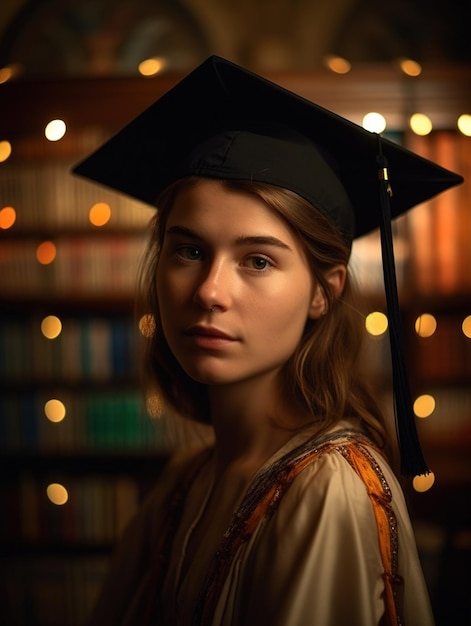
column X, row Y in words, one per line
column 241, row 240
column 263, row 240
column 183, row 230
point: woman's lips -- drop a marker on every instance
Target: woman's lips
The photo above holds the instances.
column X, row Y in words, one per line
column 209, row 337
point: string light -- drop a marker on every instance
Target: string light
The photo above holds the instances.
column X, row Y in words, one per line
column 374, row 122
column 51, row 327
column 152, row 66
column 421, row 124
column 5, row 150
column 424, row 405
column 46, row 252
column 376, row 323
column 464, row 124
column 100, row 214
column 8, row 72
column 425, row 325
column 410, row 67
column 337, row 64
column 54, row 410
column 57, row 493
column 466, row 326
column 55, row 130
column 7, row 217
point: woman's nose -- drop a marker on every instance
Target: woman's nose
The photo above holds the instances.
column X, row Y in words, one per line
column 214, row 288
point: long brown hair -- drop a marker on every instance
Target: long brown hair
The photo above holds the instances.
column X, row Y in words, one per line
column 324, row 375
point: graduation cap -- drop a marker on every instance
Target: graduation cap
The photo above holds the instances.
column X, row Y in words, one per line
column 224, row 122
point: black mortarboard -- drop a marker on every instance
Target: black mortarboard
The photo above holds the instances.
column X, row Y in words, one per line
column 222, row 121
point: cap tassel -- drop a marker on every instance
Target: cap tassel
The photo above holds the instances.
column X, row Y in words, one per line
column 411, row 457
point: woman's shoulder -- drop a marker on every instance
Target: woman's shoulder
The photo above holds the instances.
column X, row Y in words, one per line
column 345, row 461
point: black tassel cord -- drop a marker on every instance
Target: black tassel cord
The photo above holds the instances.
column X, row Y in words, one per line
column 412, row 459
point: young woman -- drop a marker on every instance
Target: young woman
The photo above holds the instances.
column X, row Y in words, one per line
column 292, row 515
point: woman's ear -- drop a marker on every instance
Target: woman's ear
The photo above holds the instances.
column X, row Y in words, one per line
column 335, row 277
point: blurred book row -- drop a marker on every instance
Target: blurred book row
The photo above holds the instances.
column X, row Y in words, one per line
column 93, row 510
column 82, row 265
column 70, row 349
column 45, row 195
column 108, row 421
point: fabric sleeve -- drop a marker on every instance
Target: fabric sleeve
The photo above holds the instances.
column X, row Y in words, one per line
column 317, row 560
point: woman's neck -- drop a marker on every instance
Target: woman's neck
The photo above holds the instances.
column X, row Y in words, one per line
column 251, row 422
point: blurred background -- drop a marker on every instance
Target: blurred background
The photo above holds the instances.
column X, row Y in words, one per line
column 80, row 443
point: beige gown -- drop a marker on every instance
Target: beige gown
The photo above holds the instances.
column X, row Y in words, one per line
column 315, row 560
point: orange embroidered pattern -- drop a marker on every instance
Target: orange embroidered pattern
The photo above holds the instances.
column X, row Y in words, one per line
column 262, row 500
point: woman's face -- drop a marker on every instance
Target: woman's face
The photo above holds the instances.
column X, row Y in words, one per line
column 233, row 284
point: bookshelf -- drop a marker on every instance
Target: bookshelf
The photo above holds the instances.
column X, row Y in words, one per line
column 108, row 449
column 78, row 446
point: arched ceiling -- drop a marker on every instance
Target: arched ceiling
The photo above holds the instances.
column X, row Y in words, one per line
column 110, row 37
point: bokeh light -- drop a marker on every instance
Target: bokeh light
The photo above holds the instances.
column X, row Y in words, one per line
column 466, row 326
column 421, row 124
column 376, row 323
column 51, row 327
column 46, row 252
column 337, row 64
column 55, row 130
column 100, row 214
column 54, row 410
column 7, row 217
column 464, row 124
column 424, row 405
column 425, row 325
column 410, row 67
column 152, row 66
column 374, row 122
column 5, row 150
column 57, row 493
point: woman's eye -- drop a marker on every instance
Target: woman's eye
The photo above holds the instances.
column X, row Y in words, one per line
column 190, row 253
column 259, row 263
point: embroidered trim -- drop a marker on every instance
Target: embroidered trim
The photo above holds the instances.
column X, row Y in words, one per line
column 379, row 492
column 262, row 500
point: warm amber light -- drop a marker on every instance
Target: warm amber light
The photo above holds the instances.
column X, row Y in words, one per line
column 464, row 124
column 423, row 482
column 374, row 122
column 46, row 252
column 421, row 124
column 5, row 150
column 51, row 327
column 7, row 217
column 8, row 72
column 151, row 67
column 57, row 493
column 147, row 325
column 410, row 67
column 54, row 410
column 5, row 74
column 425, row 325
column 466, row 326
column 337, row 64
column 424, row 405
column 55, row 130
column 376, row 323
column 100, row 214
